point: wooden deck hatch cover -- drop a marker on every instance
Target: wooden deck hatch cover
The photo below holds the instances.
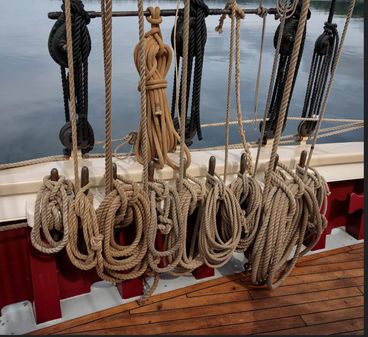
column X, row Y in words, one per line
column 309, row 302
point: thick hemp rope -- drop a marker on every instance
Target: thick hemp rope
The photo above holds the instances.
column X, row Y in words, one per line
column 51, row 216
column 166, row 220
column 82, row 214
column 247, row 191
column 192, row 198
column 162, row 136
column 125, row 207
column 222, row 223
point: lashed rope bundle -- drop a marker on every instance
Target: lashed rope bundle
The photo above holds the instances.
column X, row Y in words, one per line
column 222, row 223
column 247, row 191
column 192, row 197
column 166, row 220
column 125, row 207
column 82, row 214
column 162, row 136
column 52, row 214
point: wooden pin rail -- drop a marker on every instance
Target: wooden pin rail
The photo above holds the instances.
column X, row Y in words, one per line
column 165, row 12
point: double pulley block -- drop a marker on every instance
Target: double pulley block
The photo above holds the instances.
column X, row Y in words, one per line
column 57, row 46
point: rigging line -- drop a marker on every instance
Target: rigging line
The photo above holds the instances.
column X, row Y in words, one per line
column 143, row 91
column 106, row 9
column 184, row 91
column 263, row 14
column 69, row 41
column 330, row 83
column 270, row 89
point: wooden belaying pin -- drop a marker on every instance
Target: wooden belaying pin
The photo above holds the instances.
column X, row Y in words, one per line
column 185, row 168
column 54, row 175
column 212, row 165
column 243, row 164
column 114, row 171
column 277, row 157
column 151, row 171
column 84, row 178
column 303, row 158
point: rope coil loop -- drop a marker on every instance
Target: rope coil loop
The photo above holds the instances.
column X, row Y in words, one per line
column 82, row 214
column 249, row 195
column 162, row 136
column 222, row 223
column 166, row 220
column 51, row 218
column 192, row 198
column 125, row 207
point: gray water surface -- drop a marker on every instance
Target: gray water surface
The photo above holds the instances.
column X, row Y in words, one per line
column 31, row 105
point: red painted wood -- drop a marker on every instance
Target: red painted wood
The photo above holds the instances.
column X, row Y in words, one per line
column 134, row 287
column 203, row 272
column 15, row 274
column 46, row 292
column 355, row 226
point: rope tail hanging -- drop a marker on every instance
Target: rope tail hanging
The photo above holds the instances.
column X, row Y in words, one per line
column 196, row 48
column 81, row 50
column 324, row 53
column 162, row 136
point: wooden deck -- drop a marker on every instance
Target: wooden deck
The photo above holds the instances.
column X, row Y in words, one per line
column 324, row 295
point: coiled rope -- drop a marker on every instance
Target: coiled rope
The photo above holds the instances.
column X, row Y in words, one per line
column 52, row 215
column 162, row 136
column 247, row 191
column 222, row 223
column 82, row 214
column 192, row 198
column 125, row 207
column 166, row 220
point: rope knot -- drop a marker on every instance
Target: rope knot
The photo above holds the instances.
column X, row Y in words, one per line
column 262, row 12
column 96, row 242
column 155, row 18
column 165, row 224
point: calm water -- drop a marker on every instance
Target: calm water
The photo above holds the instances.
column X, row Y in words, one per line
column 31, row 110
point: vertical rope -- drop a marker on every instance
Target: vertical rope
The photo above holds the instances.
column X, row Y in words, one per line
column 229, row 87
column 330, row 83
column 106, row 15
column 69, row 40
column 184, row 90
column 263, row 14
column 142, row 72
column 287, row 90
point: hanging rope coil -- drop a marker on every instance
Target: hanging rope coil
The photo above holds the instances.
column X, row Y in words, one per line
column 82, row 214
column 51, row 218
column 222, row 223
column 292, row 216
column 125, row 207
column 197, row 42
column 166, row 220
column 162, row 136
column 249, row 195
column 192, row 198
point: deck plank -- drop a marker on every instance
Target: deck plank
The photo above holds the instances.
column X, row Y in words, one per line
column 325, row 329
column 221, row 316
column 309, row 302
column 333, row 315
